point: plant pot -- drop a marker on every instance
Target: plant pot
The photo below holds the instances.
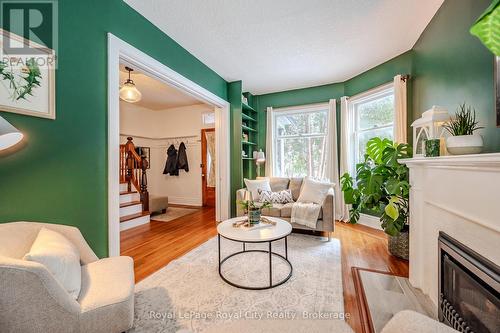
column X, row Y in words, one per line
column 432, row 147
column 254, row 216
column 464, row 144
column 399, row 245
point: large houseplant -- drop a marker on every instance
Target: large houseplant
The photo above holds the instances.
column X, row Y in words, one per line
column 381, row 186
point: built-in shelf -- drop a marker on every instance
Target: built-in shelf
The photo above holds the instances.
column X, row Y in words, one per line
column 248, row 128
column 247, row 107
column 248, row 143
column 247, row 117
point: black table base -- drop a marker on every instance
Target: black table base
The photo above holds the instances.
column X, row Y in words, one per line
column 269, row 252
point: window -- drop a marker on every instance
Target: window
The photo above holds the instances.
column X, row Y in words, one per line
column 372, row 115
column 208, row 118
column 300, row 141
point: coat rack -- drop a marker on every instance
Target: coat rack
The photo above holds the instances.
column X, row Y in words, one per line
column 188, row 140
column 165, row 142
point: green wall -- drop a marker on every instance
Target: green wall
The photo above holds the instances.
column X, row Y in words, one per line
column 452, row 67
column 374, row 77
column 59, row 174
column 448, row 66
column 234, row 96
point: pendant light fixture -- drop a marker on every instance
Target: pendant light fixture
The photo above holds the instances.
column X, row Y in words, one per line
column 129, row 92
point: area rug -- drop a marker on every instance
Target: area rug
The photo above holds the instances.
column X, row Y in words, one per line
column 173, row 213
column 189, row 295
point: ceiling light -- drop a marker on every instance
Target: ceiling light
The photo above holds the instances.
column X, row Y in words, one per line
column 9, row 135
column 129, row 92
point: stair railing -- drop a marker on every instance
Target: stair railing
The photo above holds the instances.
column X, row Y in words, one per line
column 133, row 171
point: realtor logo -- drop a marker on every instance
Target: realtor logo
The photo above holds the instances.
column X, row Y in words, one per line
column 29, row 29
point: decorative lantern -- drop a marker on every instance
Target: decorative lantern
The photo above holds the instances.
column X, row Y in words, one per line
column 429, row 126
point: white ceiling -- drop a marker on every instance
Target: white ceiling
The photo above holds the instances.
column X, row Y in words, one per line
column 156, row 95
column 275, row 45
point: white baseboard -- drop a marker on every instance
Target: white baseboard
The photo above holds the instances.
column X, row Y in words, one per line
column 189, row 201
column 369, row 221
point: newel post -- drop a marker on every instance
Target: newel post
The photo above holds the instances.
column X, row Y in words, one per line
column 144, row 184
column 129, row 147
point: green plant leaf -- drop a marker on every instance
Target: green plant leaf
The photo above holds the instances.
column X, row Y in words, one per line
column 346, row 181
column 370, row 183
column 354, row 215
column 392, row 210
column 391, row 155
column 487, row 28
column 351, row 196
column 375, row 147
column 393, row 186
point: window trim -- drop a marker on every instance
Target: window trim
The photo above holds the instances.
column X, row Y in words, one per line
column 296, row 109
column 364, row 97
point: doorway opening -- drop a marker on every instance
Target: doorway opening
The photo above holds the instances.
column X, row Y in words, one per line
column 208, row 162
column 121, row 55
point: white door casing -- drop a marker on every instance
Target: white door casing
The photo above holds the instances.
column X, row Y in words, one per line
column 121, row 51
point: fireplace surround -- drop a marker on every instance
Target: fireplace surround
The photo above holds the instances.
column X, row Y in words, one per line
column 469, row 288
column 457, row 195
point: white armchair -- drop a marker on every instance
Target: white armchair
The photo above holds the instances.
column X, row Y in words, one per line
column 31, row 300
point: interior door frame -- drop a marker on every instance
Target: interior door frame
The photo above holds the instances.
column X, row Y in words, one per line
column 204, row 166
column 121, row 51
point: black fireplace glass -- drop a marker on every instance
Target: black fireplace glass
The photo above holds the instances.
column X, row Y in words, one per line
column 476, row 303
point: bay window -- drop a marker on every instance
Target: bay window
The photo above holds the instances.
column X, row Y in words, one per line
column 372, row 115
column 300, row 140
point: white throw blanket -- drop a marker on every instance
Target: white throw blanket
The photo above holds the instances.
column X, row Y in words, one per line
column 305, row 214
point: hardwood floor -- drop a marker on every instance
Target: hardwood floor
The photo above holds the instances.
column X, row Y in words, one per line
column 366, row 248
column 155, row 245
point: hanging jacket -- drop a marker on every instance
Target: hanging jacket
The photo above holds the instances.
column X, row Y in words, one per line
column 182, row 160
column 171, row 163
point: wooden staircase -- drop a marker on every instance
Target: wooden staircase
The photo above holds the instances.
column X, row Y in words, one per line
column 134, row 195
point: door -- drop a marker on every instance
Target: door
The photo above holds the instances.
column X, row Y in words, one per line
column 208, row 166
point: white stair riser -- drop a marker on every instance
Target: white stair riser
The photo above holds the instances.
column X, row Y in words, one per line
column 134, row 223
column 129, row 210
column 125, row 198
column 123, row 187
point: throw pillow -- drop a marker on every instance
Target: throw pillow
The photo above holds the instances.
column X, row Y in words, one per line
column 255, row 185
column 314, row 191
column 60, row 257
column 281, row 197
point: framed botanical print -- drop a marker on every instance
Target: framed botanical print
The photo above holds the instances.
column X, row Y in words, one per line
column 27, row 80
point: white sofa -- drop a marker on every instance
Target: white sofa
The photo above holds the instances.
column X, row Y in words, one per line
column 31, row 300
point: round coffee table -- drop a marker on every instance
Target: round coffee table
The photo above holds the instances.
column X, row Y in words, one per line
column 259, row 234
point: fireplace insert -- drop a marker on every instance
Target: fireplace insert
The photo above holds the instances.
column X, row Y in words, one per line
column 469, row 287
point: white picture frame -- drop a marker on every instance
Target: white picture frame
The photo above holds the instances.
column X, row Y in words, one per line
column 42, row 102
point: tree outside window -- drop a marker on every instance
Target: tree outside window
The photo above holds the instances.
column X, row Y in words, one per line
column 300, row 142
column 373, row 116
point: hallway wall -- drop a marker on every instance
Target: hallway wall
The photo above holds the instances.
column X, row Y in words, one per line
column 153, row 125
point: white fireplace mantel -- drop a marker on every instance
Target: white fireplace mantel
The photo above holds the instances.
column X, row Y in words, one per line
column 459, row 195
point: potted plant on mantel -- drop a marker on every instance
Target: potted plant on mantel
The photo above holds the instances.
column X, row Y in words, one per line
column 462, row 128
column 382, row 187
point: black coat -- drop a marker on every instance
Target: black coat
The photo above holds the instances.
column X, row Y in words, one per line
column 182, row 160
column 171, row 163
